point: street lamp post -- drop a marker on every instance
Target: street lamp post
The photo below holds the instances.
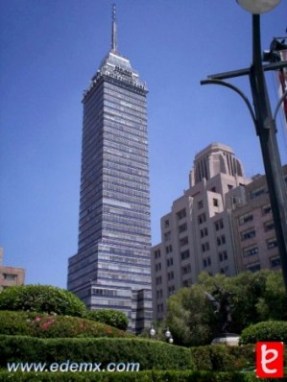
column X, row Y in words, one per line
column 264, row 123
column 152, row 332
column 167, row 335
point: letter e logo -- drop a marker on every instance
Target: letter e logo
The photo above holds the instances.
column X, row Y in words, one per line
column 269, row 359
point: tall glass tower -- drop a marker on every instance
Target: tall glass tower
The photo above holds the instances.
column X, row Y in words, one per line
column 112, row 267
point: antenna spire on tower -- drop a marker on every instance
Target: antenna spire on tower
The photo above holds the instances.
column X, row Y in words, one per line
column 114, row 30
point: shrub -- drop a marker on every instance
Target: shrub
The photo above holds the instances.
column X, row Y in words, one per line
column 265, row 331
column 110, row 317
column 222, row 357
column 42, row 298
column 144, row 376
column 51, row 326
column 149, row 354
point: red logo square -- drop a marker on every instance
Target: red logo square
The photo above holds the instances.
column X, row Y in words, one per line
column 269, row 359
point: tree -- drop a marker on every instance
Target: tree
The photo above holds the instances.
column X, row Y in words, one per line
column 220, row 303
column 273, row 304
column 190, row 318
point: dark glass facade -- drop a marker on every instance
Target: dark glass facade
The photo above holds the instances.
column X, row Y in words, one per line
column 112, row 266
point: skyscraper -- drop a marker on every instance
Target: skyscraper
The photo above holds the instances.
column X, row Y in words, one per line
column 112, row 266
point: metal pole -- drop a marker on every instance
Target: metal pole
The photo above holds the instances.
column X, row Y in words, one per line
column 266, row 130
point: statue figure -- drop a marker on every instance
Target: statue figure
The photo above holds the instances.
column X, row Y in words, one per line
column 220, row 299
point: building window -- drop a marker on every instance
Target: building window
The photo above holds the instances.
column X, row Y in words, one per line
column 224, row 270
column 166, row 223
column 215, row 202
column 268, row 226
column 159, row 294
column 169, row 262
column 266, row 209
column 181, row 214
column 218, row 224
column 206, row 262
column 250, row 251
column 171, row 289
column 186, row 269
column 275, row 262
column 220, row 240
column 167, row 236
column 245, row 219
column 205, row 247
column 200, row 204
column 249, row 234
column 182, row 228
column 271, row 243
column 222, row 256
column 168, row 249
column 201, row 218
column 104, row 292
column 170, row 276
column 160, row 308
column 9, row 276
column 158, row 267
column 254, row 267
column 157, row 254
column 158, row 280
column 185, row 254
column 204, row 232
column 186, row 283
column 183, row 241
column 257, row 192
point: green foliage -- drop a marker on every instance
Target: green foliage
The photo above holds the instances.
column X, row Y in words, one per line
column 265, row 331
column 42, row 298
column 222, row 357
column 252, row 297
column 190, row 318
column 273, row 304
column 110, row 317
column 149, row 354
column 144, row 376
column 53, row 326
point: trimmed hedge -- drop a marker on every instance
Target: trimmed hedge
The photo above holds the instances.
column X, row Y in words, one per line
column 156, row 359
column 223, row 358
column 110, row 317
column 42, row 298
column 265, row 331
column 50, row 326
column 150, row 354
column 153, row 376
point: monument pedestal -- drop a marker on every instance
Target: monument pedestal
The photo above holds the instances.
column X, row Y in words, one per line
column 229, row 339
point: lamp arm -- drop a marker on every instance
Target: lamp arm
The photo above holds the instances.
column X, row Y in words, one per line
column 284, row 95
column 237, row 90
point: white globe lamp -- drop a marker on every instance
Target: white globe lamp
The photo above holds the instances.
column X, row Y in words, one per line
column 258, row 6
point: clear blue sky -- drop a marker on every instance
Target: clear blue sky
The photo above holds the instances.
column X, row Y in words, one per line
column 49, row 51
